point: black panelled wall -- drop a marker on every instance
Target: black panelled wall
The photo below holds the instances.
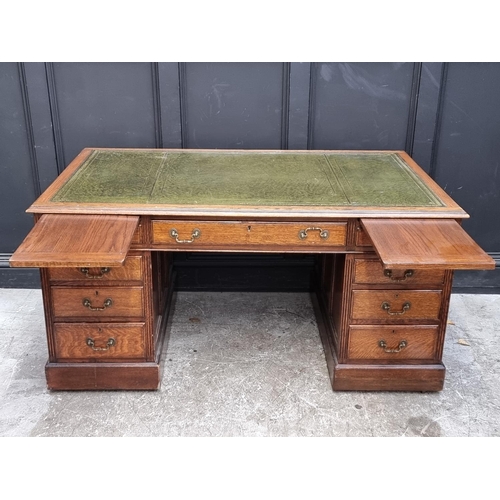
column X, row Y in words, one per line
column 446, row 115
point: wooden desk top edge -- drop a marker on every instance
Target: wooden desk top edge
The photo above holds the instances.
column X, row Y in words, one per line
column 450, row 209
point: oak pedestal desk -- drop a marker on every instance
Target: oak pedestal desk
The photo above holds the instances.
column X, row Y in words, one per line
column 386, row 237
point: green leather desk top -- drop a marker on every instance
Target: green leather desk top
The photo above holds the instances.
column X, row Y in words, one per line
column 225, row 184
column 246, row 178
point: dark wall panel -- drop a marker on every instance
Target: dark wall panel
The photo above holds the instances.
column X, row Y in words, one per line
column 103, row 105
column 468, row 147
column 445, row 115
column 427, row 113
column 37, row 95
column 360, row 105
column 17, row 174
column 298, row 109
column 234, row 105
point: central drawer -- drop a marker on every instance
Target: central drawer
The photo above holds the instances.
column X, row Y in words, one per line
column 396, row 305
column 304, row 237
column 102, row 302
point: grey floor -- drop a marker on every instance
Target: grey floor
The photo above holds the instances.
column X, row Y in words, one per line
column 250, row 364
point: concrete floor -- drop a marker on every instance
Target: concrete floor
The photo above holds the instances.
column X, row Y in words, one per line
column 250, row 364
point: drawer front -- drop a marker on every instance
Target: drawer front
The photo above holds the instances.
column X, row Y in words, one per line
column 369, row 271
column 138, row 236
column 391, row 305
column 392, row 342
column 131, row 270
column 301, row 236
column 99, row 341
column 97, row 302
column 362, row 239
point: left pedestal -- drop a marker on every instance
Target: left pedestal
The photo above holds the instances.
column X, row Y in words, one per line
column 106, row 326
column 106, row 300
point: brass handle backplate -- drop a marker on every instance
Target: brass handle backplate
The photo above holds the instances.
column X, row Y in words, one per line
column 103, row 271
column 407, row 274
column 110, row 343
column 88, row 303
column 323, row 233
column 196, row 233
column 387, row 307
column 383, row 345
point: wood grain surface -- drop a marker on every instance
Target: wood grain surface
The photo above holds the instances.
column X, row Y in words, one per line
column 422, row 378
column 130, row 271
column 76, row 240
column 403, row 244
column 361, row 238
column 126, row 302
column 370, row 271
column 364, row 342
column 249, row 235
column 102, row 376
column 368, row 376
column 367, row 304
column 71, row 340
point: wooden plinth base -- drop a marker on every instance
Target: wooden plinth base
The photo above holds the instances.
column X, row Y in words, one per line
column 102, row 376
column 421, row 378
column 372, row 377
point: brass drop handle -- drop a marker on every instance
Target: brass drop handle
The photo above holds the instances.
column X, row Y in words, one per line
column 383, row 345
column 196, row 233
column 407, row 274
column 103, row 271
column 88, row 303
column 110, row 343
column 323, row 233
column 387, row 307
